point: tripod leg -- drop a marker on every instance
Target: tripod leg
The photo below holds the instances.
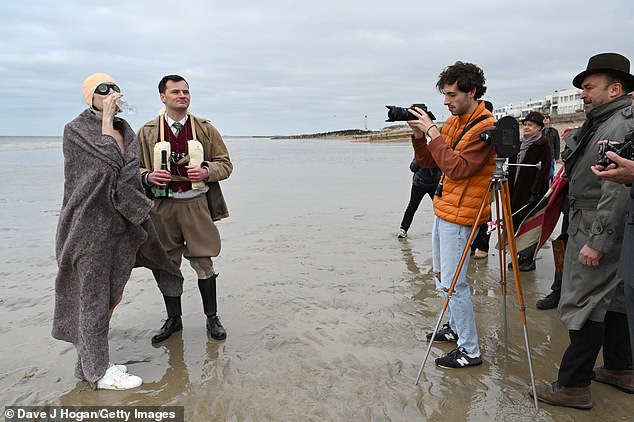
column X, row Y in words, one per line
column 508, row 227
column 452, row 286
column 431, row 341
column 502, row 259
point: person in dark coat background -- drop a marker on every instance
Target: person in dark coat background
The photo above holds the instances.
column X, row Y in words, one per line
column 424, row 182
column 529, row 183
column 552, row 134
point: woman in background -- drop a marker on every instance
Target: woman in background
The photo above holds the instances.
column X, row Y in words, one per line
column 529, row 183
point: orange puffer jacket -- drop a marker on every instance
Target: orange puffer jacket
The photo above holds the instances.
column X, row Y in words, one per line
column 461, row 198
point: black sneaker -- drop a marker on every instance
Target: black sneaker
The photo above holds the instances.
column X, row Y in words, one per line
column 458, row 358
column 528, row 266
column 445, row 333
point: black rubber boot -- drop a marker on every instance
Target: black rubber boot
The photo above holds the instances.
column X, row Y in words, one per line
column 173, row 322
column 550, row 301
column 207, row 289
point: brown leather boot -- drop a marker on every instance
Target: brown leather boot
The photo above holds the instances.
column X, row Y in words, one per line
column 559, row 253
column 623, row 380
column 553, row 393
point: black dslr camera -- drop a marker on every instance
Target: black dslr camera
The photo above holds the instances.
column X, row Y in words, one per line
column 505, row 137
column 400, row 114
column 624, row 149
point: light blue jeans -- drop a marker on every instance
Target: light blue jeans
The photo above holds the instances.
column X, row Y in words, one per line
column 448, row 242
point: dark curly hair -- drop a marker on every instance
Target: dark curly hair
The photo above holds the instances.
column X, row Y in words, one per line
column 468, row 76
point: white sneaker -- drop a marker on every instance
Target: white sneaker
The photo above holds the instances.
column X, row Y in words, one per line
column 402, row 234
column 480, row 254
column 115, row 379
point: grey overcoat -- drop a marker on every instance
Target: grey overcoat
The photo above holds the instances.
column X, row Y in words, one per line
column 596, row 218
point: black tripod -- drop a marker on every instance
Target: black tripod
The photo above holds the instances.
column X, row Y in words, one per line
column 499, row 185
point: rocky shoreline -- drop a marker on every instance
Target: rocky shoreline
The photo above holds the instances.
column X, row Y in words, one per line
column 402, row 133
column 347, row 133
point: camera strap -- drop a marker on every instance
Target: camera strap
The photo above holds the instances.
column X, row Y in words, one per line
column 469, row 127
column 162, row 126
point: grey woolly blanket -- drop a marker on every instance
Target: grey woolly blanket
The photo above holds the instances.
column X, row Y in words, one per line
column 104, row 230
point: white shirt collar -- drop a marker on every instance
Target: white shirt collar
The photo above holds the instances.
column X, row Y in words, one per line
column 171, row 121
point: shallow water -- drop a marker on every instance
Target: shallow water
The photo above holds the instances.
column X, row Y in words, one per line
column 324, row 307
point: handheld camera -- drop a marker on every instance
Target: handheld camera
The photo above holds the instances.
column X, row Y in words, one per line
column 401, row 114
column 624, row 149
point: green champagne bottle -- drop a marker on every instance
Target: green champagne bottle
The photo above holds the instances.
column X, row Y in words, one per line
column 164, row 191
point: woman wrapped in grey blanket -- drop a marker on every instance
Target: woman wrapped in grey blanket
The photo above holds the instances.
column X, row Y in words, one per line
column 104, row 231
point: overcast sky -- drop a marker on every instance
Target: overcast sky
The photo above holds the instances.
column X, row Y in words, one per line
column 264, row 67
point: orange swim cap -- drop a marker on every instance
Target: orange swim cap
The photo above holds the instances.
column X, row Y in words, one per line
column 92, row 82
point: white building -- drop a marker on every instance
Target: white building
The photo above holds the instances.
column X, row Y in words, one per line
column 566, row 101
column 561, row 102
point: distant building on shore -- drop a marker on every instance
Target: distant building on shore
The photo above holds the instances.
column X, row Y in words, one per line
column 563, row 103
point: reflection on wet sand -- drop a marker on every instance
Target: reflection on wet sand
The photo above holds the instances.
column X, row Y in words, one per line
column 325, row 309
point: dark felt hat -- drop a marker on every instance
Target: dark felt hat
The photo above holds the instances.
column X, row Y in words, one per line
column 535, row 116
column 611, row 63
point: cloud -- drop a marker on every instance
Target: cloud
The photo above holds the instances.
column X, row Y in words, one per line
column 288, row 67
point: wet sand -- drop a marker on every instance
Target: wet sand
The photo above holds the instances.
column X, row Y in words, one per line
column 325, row 309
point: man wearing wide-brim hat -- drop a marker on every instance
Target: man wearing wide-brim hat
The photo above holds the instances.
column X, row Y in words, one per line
column 592, row 303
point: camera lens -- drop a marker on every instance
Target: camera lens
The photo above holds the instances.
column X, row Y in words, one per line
column 398, row 114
